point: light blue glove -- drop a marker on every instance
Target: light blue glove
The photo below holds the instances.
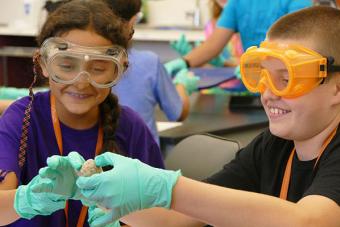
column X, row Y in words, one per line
column 174, row 66
column 217, row 61
column 13, row 93
column 188, row 80
column 181, row 46
column 28, row 203
column 62, row 175
column 237, row 72
column 95, row 218
column 130, row 186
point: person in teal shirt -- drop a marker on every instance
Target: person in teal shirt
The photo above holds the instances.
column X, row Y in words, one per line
column 250, row 18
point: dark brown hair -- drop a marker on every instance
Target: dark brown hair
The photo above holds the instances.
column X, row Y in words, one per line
column 94, row 15
column 125, row 9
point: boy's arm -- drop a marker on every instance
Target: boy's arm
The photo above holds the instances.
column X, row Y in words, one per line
column 228, row 207
column 7, row 194
column 210, row 48
column 156, row 217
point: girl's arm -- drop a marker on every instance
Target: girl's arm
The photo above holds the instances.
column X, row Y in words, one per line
column 7, row 194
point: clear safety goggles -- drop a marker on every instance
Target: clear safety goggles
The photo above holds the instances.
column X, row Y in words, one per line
column 288, row 70
column 67, row 63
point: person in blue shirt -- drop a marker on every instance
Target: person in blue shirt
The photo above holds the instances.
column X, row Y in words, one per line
column 250, row 18
column 146, row 83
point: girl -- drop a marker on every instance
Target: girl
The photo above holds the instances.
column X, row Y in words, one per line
column 83, row 54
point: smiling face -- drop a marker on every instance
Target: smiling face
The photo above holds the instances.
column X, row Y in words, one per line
column 81, row 99
column 302, row 117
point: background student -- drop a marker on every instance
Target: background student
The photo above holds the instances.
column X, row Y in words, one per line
column 146, row 84
column 250, row 18
column 230, row 54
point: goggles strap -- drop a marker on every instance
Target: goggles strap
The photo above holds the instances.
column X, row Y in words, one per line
column 330, row 66
column 333, row 68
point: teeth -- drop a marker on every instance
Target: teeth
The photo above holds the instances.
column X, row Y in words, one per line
column 277, row 111
column 77, row 95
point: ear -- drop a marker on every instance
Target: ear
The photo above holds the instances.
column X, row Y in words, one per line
column 336, row 90
column 43, row 68
column 39, row 64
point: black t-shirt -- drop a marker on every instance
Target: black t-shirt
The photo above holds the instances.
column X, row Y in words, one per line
column 260, row 166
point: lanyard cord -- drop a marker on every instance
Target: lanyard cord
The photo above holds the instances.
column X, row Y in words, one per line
column 57, row 132
column 287, row 174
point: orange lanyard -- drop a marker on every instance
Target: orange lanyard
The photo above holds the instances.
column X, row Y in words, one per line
column 286, row 176
column 57, row 132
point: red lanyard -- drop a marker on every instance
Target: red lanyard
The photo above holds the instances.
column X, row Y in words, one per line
column 57, row 132
column 286, row 176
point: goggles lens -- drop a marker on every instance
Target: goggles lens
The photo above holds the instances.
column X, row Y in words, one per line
column 67, row 63
column 267, row 71
column 288, row 70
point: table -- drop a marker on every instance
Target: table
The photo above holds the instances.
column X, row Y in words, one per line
column 211, row 114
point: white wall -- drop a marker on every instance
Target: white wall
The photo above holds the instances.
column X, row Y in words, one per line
column 19, row 15
column 177, row 13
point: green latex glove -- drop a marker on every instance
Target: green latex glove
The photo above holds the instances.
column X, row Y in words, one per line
column 188, row 80
column 130, row 186
column 181, row 46
column 13, row 93
column 217, row 61
column 62, row 175
column 28, row 203
column 237, row 72
column 174, row 66
column 98, row 218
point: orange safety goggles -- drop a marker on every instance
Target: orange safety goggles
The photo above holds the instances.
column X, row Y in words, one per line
column 288, row 70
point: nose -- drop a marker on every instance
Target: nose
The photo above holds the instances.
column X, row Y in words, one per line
column 269, row 95
column 83, row 80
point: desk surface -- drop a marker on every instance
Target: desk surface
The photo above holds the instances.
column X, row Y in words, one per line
column 211, row 114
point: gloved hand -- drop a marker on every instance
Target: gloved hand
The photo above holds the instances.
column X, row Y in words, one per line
column 237, row 72
column 130, row 186
column 62, row 175
column 174, row 66
column 217, row 61
column 28, row 203
column 181, row 46
column 188, row 80
column 97, row 218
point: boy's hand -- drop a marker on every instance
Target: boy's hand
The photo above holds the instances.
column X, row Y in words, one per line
column 99, row 218
column 130, row 186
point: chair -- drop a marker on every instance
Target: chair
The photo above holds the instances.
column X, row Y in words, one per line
column 200, row 156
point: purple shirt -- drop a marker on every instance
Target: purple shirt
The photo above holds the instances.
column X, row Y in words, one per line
column 132, row 136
